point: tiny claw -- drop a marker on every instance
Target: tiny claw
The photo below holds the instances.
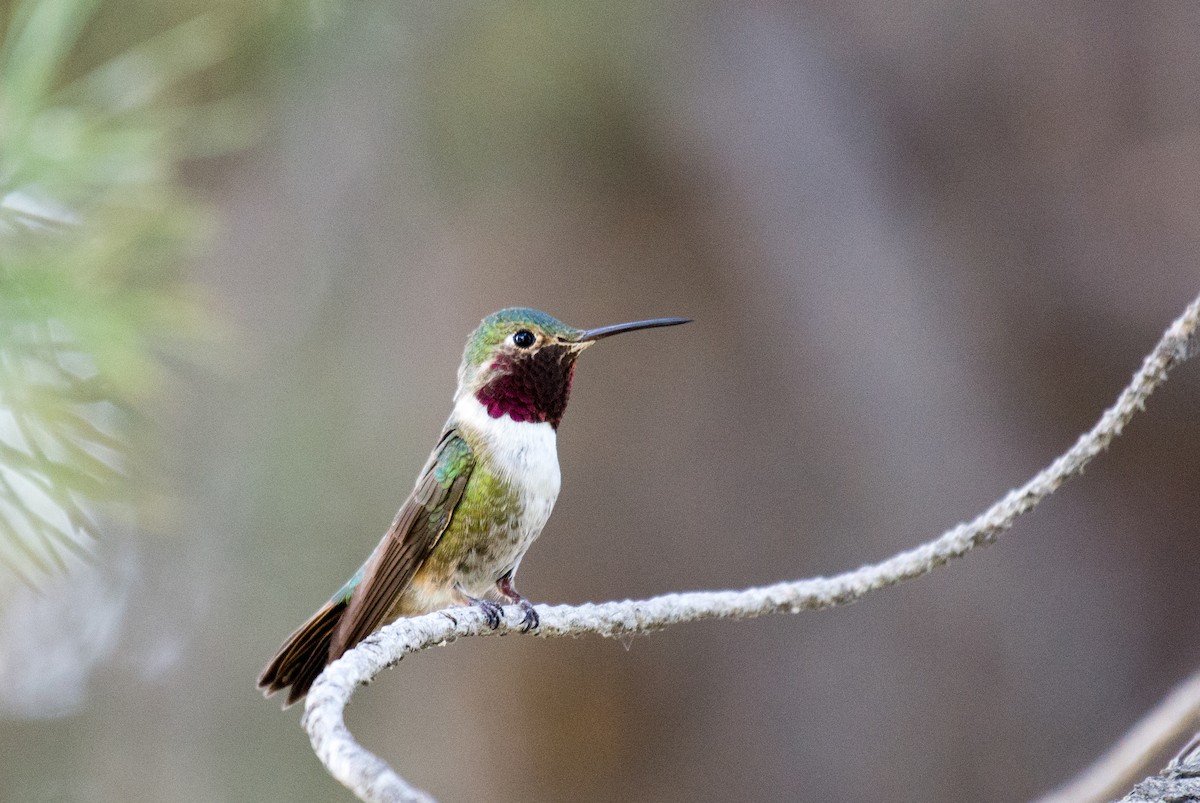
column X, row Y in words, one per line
column 491, row 612
column 530, row 620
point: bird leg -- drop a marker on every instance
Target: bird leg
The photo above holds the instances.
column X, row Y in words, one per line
column 530, row 619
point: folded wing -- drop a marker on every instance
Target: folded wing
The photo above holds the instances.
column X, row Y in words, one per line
column 412, row 537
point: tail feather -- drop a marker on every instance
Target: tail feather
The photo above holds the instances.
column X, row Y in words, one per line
column 303, row 655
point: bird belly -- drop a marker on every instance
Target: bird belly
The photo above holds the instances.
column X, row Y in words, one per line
column 491, row 545
column 506, row 503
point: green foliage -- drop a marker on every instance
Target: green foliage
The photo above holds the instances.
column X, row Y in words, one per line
column 93, row 228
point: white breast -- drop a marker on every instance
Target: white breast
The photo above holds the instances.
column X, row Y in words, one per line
column 525, row 453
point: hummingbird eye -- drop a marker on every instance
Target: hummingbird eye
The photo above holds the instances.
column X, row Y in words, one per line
column 523, row 339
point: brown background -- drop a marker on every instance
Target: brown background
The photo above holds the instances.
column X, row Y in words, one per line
column 925, row 244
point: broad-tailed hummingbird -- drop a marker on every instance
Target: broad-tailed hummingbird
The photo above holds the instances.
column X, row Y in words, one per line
column 482, row 498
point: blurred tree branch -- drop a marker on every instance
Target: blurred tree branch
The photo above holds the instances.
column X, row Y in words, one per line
column 1162, row 728
column 373, row 780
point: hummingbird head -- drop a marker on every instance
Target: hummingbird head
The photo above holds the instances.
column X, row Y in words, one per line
column 520, row 362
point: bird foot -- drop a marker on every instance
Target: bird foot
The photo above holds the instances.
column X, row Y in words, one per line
column 530, row 620
column 492, row 613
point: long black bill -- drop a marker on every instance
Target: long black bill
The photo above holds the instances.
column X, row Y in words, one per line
column 592, row 335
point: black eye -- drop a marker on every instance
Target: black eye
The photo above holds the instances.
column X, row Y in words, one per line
column 523, row 339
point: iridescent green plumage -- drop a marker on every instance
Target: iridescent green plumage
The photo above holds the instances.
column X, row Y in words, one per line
column 493, row 329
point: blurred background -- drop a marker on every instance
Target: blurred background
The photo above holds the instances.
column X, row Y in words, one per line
column 925, row 244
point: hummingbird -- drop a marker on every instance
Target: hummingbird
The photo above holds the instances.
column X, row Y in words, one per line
column 482, row 498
